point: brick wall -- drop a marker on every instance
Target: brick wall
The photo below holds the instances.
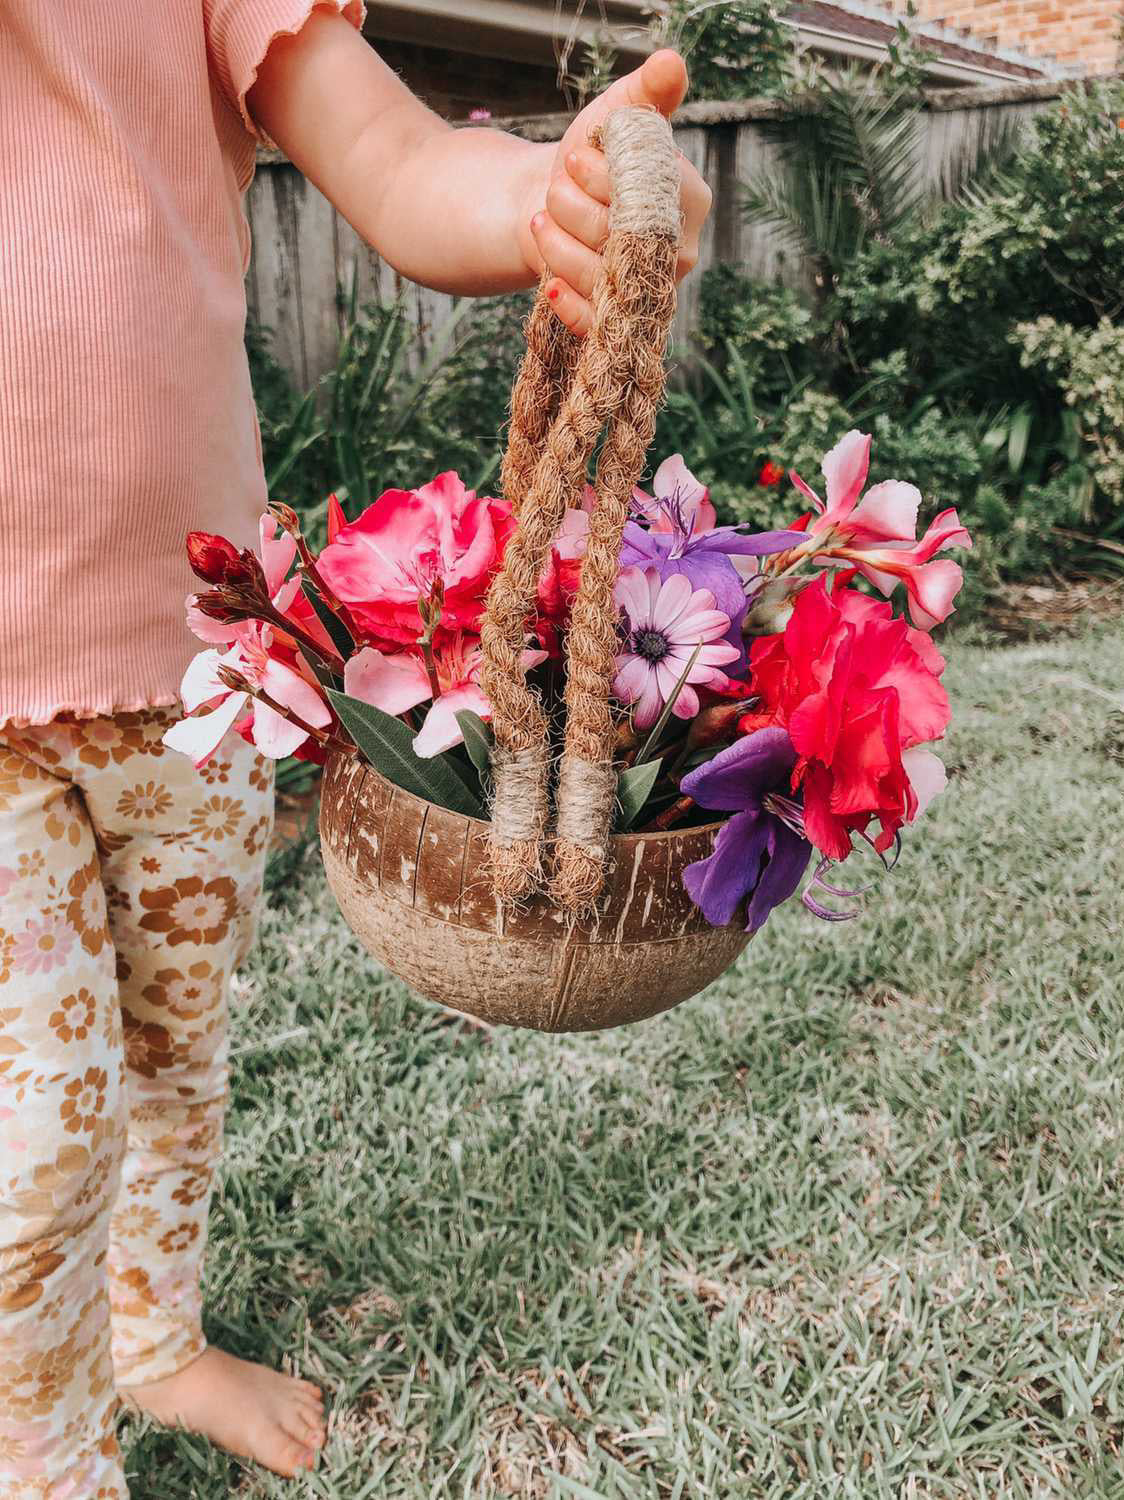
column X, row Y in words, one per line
column 1083, row 34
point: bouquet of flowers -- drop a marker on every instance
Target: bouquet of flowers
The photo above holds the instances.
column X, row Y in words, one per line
column 762, row 680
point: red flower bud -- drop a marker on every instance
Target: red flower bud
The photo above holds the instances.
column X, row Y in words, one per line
column 215, row 605
column 210, row 556
column 770, row 474
column 215, row 560
column 336, row 518
column 713, row 724
column 285, row 516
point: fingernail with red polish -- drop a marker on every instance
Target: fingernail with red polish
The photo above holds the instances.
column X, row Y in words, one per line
column 552, row 293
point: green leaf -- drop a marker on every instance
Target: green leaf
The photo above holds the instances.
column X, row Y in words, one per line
column 634, row 787
column 388, row 744
column 661, row 723
column 338, row 633
column 478, row 741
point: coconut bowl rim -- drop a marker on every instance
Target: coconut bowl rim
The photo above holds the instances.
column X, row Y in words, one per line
column 614, row 838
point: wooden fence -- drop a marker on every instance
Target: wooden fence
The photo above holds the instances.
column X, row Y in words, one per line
column 304, row 252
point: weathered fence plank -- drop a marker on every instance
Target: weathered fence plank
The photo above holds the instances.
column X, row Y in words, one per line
column 304, row 253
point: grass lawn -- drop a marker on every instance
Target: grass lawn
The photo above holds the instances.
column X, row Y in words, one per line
column 848, row 1225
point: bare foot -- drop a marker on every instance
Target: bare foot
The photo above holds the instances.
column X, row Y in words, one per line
column 247, row 1409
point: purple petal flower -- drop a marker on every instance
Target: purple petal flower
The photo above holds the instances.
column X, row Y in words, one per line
column 758, row 858
column 705, row 558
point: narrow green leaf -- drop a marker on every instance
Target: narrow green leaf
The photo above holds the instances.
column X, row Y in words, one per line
column 661, row 723
column 478, row 740
column 388, row 744
column 634, row 787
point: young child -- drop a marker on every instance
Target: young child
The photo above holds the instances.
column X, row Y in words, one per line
column 127, row 880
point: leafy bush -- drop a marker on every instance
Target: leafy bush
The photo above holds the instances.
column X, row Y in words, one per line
column 736, row 49
column 389, row 414
column 977, row 339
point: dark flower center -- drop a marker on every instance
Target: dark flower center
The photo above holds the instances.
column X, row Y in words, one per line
column 651, row 645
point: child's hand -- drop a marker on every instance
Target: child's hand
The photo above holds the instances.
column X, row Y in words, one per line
column 572, row 220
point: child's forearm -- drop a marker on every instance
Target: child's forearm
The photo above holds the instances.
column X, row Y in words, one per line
column 448, row 208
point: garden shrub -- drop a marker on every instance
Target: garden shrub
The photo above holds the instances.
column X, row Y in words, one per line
column 977, row 340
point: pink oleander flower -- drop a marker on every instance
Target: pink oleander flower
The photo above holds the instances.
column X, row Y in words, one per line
column 398, row 681
column 276, row 549
column 666, row 618
column 878, row 532
column 254, row 657
column 408, row 541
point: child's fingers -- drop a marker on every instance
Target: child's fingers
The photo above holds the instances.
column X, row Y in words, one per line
column 569, row 307
column 572, row 207
column 564, row 255
column 588, row 169
column 578, row 197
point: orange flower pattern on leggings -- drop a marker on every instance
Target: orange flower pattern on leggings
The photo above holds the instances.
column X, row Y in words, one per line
column 128, row 884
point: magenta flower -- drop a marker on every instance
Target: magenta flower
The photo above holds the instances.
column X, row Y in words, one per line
column 666, row 619
column 759, row 854
column 878, row 532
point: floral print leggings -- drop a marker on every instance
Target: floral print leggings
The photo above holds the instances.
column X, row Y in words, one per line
column 128, row 883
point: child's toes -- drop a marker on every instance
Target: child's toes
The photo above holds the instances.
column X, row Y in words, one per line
column 298, row 1457
column 305, row 1426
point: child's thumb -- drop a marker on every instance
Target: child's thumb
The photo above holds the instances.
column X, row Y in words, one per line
column 660, row 82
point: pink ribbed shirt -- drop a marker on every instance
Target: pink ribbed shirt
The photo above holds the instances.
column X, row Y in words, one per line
column 126, row 417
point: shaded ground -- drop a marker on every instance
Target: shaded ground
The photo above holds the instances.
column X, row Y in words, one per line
column 848, row 1225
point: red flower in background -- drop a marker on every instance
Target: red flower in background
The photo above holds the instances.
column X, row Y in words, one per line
column 771, row 474
column 858, row 690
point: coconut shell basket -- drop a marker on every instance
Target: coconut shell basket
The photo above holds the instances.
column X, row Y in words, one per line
column 542, row 918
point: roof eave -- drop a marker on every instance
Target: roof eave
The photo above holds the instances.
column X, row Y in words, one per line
column 940, row 69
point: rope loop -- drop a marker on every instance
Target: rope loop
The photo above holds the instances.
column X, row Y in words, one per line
column 568, row 392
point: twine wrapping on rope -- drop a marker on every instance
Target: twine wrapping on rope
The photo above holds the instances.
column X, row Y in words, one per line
column 617, row 376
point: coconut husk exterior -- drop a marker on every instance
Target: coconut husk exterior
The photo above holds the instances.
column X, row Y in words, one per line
column 413, row 883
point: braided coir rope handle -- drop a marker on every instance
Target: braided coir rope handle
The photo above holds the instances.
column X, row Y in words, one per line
column 618, row 378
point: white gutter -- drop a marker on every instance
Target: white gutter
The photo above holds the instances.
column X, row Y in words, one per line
column 842, row 44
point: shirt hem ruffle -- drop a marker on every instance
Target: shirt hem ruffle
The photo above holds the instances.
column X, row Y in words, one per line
column 106, row 710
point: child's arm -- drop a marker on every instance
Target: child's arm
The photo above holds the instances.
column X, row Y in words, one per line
column 470, row 211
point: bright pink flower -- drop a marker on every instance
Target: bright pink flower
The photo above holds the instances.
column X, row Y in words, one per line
column 336, row 518
column 253, row 656
column 931, row 585
column 886, row 513
column 406, row 542
column 398, row 681
column 558, row 585
column 857, row 690
column 665, row 620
